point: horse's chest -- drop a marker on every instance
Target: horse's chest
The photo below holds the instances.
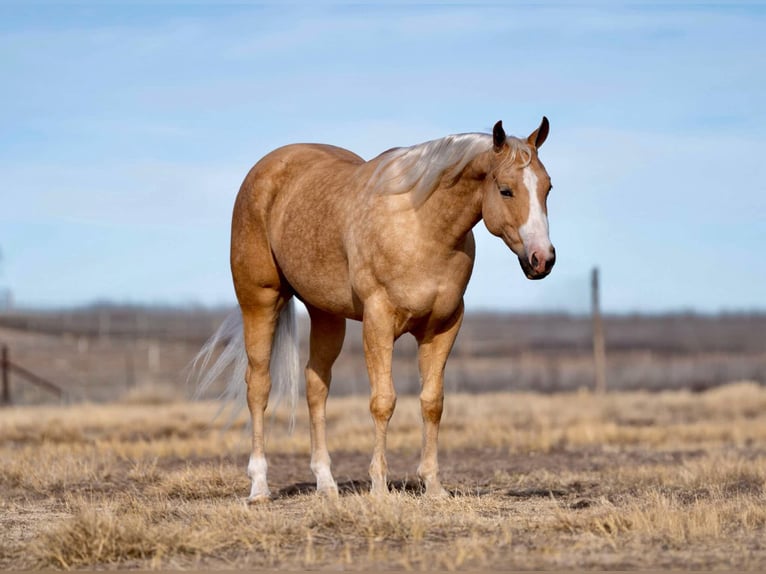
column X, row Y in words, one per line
column 418, row 285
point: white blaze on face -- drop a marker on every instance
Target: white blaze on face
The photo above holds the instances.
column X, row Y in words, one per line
column 534, row 231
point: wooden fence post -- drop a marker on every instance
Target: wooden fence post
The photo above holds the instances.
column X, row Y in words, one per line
column 5, row 396
column 599, row 351
column 130, row 370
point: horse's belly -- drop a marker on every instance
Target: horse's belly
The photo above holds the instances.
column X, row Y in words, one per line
column 318, row 277
column 327, row 294
column 306, row 239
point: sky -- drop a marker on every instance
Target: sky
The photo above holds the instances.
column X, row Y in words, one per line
column 126, row 129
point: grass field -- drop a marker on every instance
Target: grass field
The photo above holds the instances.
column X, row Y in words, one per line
column 629, row 480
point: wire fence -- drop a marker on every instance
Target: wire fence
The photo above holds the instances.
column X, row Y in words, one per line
column 103, row 352
column 8, row 367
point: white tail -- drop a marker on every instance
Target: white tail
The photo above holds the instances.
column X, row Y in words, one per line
column 284, row 369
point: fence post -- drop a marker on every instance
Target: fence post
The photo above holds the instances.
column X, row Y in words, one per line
column 599, row 352
column 5, row 396
column 130, row 371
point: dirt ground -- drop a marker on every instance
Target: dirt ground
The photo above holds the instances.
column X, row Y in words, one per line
column 625, row 481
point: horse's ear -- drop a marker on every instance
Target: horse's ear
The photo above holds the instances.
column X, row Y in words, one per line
column 538, row 137
column 498, row 135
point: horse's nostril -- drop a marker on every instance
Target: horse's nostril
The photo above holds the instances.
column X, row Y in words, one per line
column 533, row 261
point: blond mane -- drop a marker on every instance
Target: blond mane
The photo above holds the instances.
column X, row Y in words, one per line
column 420, row 168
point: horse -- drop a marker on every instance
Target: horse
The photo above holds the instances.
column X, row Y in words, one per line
column 387, row 242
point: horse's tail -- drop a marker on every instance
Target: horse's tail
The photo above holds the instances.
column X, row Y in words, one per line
column 285, row 362
column 284, row 370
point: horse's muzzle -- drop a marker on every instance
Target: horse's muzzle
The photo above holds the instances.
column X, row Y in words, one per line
column 538, row 263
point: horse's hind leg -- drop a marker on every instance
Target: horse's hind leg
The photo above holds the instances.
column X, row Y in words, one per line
column 326, row 340
column 259, row 321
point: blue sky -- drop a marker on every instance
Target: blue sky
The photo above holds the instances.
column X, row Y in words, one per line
column 127, row 129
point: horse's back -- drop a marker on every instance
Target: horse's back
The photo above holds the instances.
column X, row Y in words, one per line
column 331, row 151
column 307, row 156
column 282, row 168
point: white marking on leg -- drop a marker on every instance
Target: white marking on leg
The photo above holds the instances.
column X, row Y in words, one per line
column 256, row 470
column 323, row 474
column 534, row 231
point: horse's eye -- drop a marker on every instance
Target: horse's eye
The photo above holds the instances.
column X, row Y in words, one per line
column 506, row 191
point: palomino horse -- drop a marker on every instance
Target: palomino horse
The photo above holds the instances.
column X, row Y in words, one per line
column 387, row 242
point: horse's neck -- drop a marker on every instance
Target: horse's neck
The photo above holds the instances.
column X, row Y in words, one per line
column 454, row 208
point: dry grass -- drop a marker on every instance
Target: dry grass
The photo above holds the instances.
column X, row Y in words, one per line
column 630, row 480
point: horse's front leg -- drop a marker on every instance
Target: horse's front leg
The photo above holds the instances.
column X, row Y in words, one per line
column 378, row 336
column 434, row 346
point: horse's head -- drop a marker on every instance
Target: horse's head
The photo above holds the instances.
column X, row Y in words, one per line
column 514, row 199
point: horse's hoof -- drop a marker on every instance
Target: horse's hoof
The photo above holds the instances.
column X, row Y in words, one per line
column 328, row 492
column 381, row 492
column 258, row 499
column 437, row 493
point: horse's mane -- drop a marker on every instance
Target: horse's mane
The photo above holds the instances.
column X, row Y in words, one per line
column 420, row 168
